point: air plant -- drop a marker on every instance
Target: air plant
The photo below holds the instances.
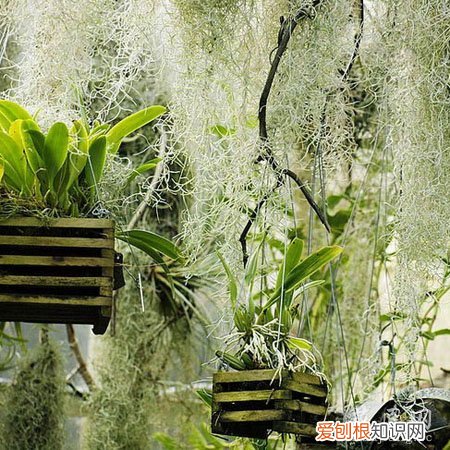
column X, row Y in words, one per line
column 262, row 336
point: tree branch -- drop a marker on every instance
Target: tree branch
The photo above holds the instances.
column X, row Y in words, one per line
column 287, row 27
column 82, row 367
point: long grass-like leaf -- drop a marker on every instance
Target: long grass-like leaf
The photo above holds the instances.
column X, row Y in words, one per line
column 304, row 270
column 145, row 240
column 232, row 283
column 143, row 168
column 292, row 258
column 96, row 163
column 130, row 124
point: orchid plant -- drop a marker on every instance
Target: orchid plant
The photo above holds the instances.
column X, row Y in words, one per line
column 61, row 169
column 263, row 337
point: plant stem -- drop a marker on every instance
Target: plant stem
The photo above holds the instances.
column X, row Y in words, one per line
column 82, row 366
column 140, row 211
column 287, row 27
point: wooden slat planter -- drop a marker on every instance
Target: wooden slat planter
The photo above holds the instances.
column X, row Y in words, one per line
column 252, row 403
column 57, row 272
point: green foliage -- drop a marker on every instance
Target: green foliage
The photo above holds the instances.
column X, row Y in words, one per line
column 35, row 405
column 264, row 331
column 200, row 438
column 60, row 170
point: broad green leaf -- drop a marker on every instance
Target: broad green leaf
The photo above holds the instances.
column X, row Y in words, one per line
column 143, row 168
column 252, row 266
column 38, row 139
column 299, row 343
column 168, row 443
column 14, row 111
column 96, row 162
column 302, row 271
column 232, row 283
column 292, row 258
column 220, row 131
column 78, row 153
column 20, row 132
column 148, row 249
column 14, row 163
column 9, row 112
column 146, row 239
column 56, row 147
column 2, row 171
column 130, row 124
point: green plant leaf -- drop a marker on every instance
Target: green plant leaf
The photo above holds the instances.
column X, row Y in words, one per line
column 299, row 343
column 292, row 258
column 9, row 112
column 432, row 334
column 205, row 396
column 304, row 270
column 232, row 283
column 143, row 168
column 166, row 441
column 56, row 147
column 96, row 162
column 14, row 164
column 38, row 139
column 78, row 153
column 145, row 240
column 130, row 124
column 220, row 131
column 20, row 132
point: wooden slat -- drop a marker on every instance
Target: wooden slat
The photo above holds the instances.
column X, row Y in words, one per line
column 306, row 378
column 22, row 280
column 295, row 427
column 49, row 241
column 246, row 396
column 24, row 260
column 303, row 388
column 86, row 300
column 252, row 416
column 57, row 223
column 244, row 375
column 265, row 375
column 298, row 405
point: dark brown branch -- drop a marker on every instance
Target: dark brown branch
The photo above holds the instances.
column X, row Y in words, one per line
column 358, row 38
column 287, row 27
column 308, row 196
column 82, row 366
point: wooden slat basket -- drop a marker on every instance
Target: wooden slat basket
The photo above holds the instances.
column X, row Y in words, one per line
column 252, row 403
column 57, row 272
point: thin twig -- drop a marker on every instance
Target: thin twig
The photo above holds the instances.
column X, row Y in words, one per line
column 358, row 38
column 82, row 366
column 140, row 210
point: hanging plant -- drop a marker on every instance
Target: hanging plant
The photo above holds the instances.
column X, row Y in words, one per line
column 55, row 176
column 278, row 385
